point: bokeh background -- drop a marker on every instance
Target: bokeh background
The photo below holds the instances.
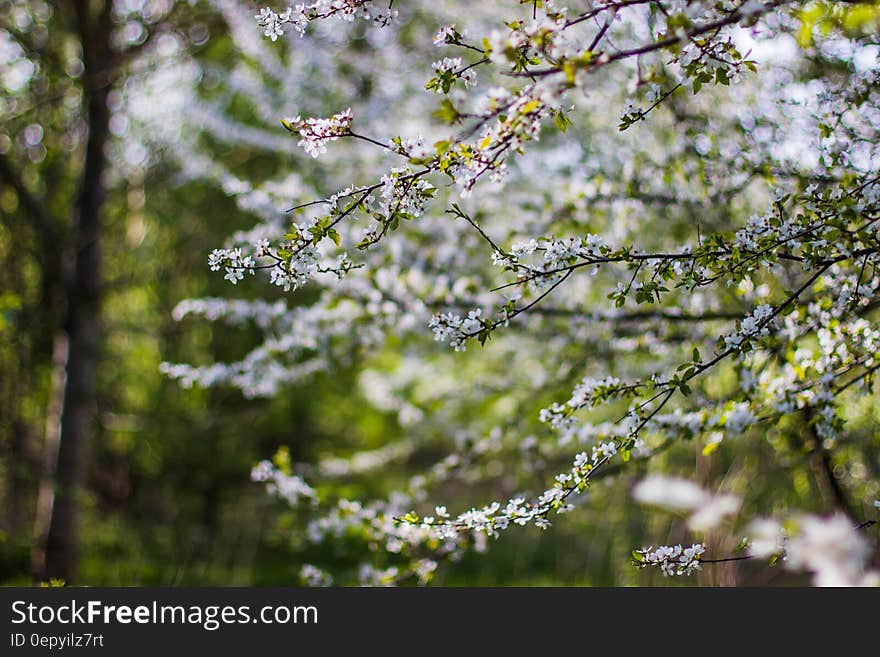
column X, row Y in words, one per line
column 192, row 94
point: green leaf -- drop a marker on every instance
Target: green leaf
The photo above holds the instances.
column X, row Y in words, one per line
column 562, row 121
column 447, row 112
column 442, row 146
column 710, row 447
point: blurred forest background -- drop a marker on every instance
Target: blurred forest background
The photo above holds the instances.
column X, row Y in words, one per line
column 101, row 236
column 167, row 497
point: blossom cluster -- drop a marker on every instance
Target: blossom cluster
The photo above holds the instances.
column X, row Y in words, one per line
column 273, row 24
column 493, row 518
column 513, row 121
column 585, row 394
column 672, row 560
column 829, row 547
column 299, row 16
column 314, row 576
column 447, row 71
column 557, row 254
column 233, row 261
column 455, row 330
column 753, row 326
column 316, row 133
column 705, row 510
column 403, row 195
column 289, row 487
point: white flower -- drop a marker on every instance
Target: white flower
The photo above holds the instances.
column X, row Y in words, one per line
column 765, row 538
column 233, row 275
column 273, row 24
column 289, row 487
column 451, row 328
column 754, row 325
column 316, row 133
column 447, row 65
column 673, row 560
column 706, row 511
column 669, row 492
column 737, row 420
column 444, row 35
column 604, row 451
column 710, row 514
column 832, row 549
column 314, row 576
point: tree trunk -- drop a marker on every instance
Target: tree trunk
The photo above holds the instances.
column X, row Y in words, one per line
column 82, row 292
column 46, row 489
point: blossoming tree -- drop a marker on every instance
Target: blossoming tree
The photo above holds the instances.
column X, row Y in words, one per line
column 565, row 240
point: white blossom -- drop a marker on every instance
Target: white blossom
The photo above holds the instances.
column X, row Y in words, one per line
column 705, row 510
column 316, row 133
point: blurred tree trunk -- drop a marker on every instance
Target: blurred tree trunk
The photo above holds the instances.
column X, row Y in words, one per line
column 46, row 490
column 20, row 440
column 82, row 290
